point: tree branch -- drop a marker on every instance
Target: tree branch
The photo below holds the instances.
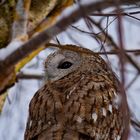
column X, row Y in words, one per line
column 60, row 26
column 19, row 29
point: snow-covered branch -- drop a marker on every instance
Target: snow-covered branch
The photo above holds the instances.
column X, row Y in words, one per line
column 19, row 29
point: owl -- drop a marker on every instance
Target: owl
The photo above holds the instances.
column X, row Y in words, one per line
column 80, row 100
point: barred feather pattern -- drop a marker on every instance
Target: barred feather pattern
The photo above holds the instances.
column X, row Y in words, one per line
column 83, row 105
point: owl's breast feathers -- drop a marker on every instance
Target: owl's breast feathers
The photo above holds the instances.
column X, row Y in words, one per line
column 78, row 107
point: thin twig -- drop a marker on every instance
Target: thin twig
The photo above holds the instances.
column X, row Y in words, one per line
column 113, row 52
column 111, row 42
column 115, row 14
column 136, row 125
column 121, row 44
column 132, row 81
column 21, row 75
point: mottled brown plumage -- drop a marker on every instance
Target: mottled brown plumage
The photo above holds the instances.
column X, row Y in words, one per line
column 81, row 100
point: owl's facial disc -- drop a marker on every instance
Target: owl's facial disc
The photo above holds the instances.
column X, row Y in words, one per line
column 61, row 63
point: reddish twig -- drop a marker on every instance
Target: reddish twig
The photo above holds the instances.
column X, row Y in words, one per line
column 115, row 14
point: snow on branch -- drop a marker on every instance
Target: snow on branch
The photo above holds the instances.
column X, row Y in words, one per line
column 11, row 48
column 19, row 28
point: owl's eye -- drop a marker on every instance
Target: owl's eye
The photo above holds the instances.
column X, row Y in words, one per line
column 65, row 65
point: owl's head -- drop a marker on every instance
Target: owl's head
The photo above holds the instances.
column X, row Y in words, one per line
column 62, row 63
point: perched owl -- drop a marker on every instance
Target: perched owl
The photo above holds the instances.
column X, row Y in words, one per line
column 81, row 100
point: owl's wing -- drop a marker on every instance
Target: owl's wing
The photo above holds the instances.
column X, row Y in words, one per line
column 94, row 108
column 41, row 116
column 91, row 109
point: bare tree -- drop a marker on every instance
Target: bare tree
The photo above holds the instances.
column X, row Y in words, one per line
column 27, row 27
